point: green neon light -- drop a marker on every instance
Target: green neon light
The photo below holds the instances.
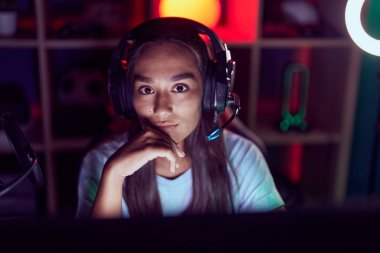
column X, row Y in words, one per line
column 294, row 120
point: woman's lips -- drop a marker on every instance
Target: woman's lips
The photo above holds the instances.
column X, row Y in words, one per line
column 166, row 125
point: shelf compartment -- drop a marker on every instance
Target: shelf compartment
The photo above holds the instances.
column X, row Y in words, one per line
column 93, row 19
column 310, row 167
column 238, row 21
column 325, row 91
column 67, row 166
column 303, row 19
column 20, row 93
column 80, row 104
column 26, row 22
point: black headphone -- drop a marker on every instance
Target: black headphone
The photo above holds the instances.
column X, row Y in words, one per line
column 219, row 75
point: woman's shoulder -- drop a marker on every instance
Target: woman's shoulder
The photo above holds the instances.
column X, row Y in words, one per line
column 106, row 148
column 243, row 155
column 94, row 160
column 237, row 143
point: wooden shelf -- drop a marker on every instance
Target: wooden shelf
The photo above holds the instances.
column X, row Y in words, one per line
column 279, row 43
column 18, row 43
column 71, row 144
column 307, row 138
column 111, row 43
column 81, row 43
column 6, row 149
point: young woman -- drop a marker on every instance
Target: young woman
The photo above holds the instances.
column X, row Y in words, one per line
column 167, row 166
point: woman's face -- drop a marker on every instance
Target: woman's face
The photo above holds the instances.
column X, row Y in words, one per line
column 168, row 90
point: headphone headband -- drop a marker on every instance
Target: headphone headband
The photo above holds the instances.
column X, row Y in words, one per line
column 219, row 74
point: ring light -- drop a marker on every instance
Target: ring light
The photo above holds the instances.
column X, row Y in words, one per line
column 356, row 30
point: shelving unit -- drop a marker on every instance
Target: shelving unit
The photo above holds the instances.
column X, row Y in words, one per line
column 321, row 154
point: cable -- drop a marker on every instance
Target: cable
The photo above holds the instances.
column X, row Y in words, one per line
column 7, row 187
column 234, row 101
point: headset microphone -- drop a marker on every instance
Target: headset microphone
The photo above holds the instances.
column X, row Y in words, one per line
column 233, row 101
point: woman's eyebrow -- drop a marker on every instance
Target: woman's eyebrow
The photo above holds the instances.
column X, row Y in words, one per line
column 175, row 78
column 141, row 78
column 187, row 75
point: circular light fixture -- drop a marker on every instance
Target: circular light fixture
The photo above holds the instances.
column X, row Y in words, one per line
column 206, row 12
column 356, row 30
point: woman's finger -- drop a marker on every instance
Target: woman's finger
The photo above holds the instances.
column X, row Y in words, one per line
column 157, row 134
column 168, row 154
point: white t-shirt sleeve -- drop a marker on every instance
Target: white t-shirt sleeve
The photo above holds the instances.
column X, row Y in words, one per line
column 91, row 173
column 254, row 190
column 89, row 180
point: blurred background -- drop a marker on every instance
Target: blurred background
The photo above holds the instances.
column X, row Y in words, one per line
column 306, row 91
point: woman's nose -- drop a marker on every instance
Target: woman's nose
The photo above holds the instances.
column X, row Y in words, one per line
column 162, row 104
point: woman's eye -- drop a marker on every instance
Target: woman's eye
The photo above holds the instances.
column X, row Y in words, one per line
column 180, row 88
column 146, row 90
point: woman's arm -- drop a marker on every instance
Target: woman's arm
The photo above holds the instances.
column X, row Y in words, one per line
column 108, row 198
column 147, row 146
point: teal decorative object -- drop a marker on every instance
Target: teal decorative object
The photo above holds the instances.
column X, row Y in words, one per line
column 298, row 119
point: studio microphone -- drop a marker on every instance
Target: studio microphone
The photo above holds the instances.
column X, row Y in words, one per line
column 25, row 154
column 233, row 101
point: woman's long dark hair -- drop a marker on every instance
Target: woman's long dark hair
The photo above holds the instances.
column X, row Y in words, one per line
column 211, row 181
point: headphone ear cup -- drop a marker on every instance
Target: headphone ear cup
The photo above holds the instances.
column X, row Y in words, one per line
column 215, row 89
column 120, row 97
column 221, row 86
column 116, row 91
column 127, row 99
column 209, row 88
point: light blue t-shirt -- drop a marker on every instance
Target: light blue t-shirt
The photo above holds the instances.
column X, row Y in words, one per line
column 252, row 191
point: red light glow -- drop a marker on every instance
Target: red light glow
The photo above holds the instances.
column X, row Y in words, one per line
column 206, row 12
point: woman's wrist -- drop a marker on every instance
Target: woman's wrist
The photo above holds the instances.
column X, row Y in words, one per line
column 112, row 173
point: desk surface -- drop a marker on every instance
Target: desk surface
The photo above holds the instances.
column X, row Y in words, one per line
column 312, row 231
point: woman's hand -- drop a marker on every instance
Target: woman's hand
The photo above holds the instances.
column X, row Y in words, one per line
column 147, row 146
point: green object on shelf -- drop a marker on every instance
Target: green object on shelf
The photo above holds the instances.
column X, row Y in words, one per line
column 288, row 119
